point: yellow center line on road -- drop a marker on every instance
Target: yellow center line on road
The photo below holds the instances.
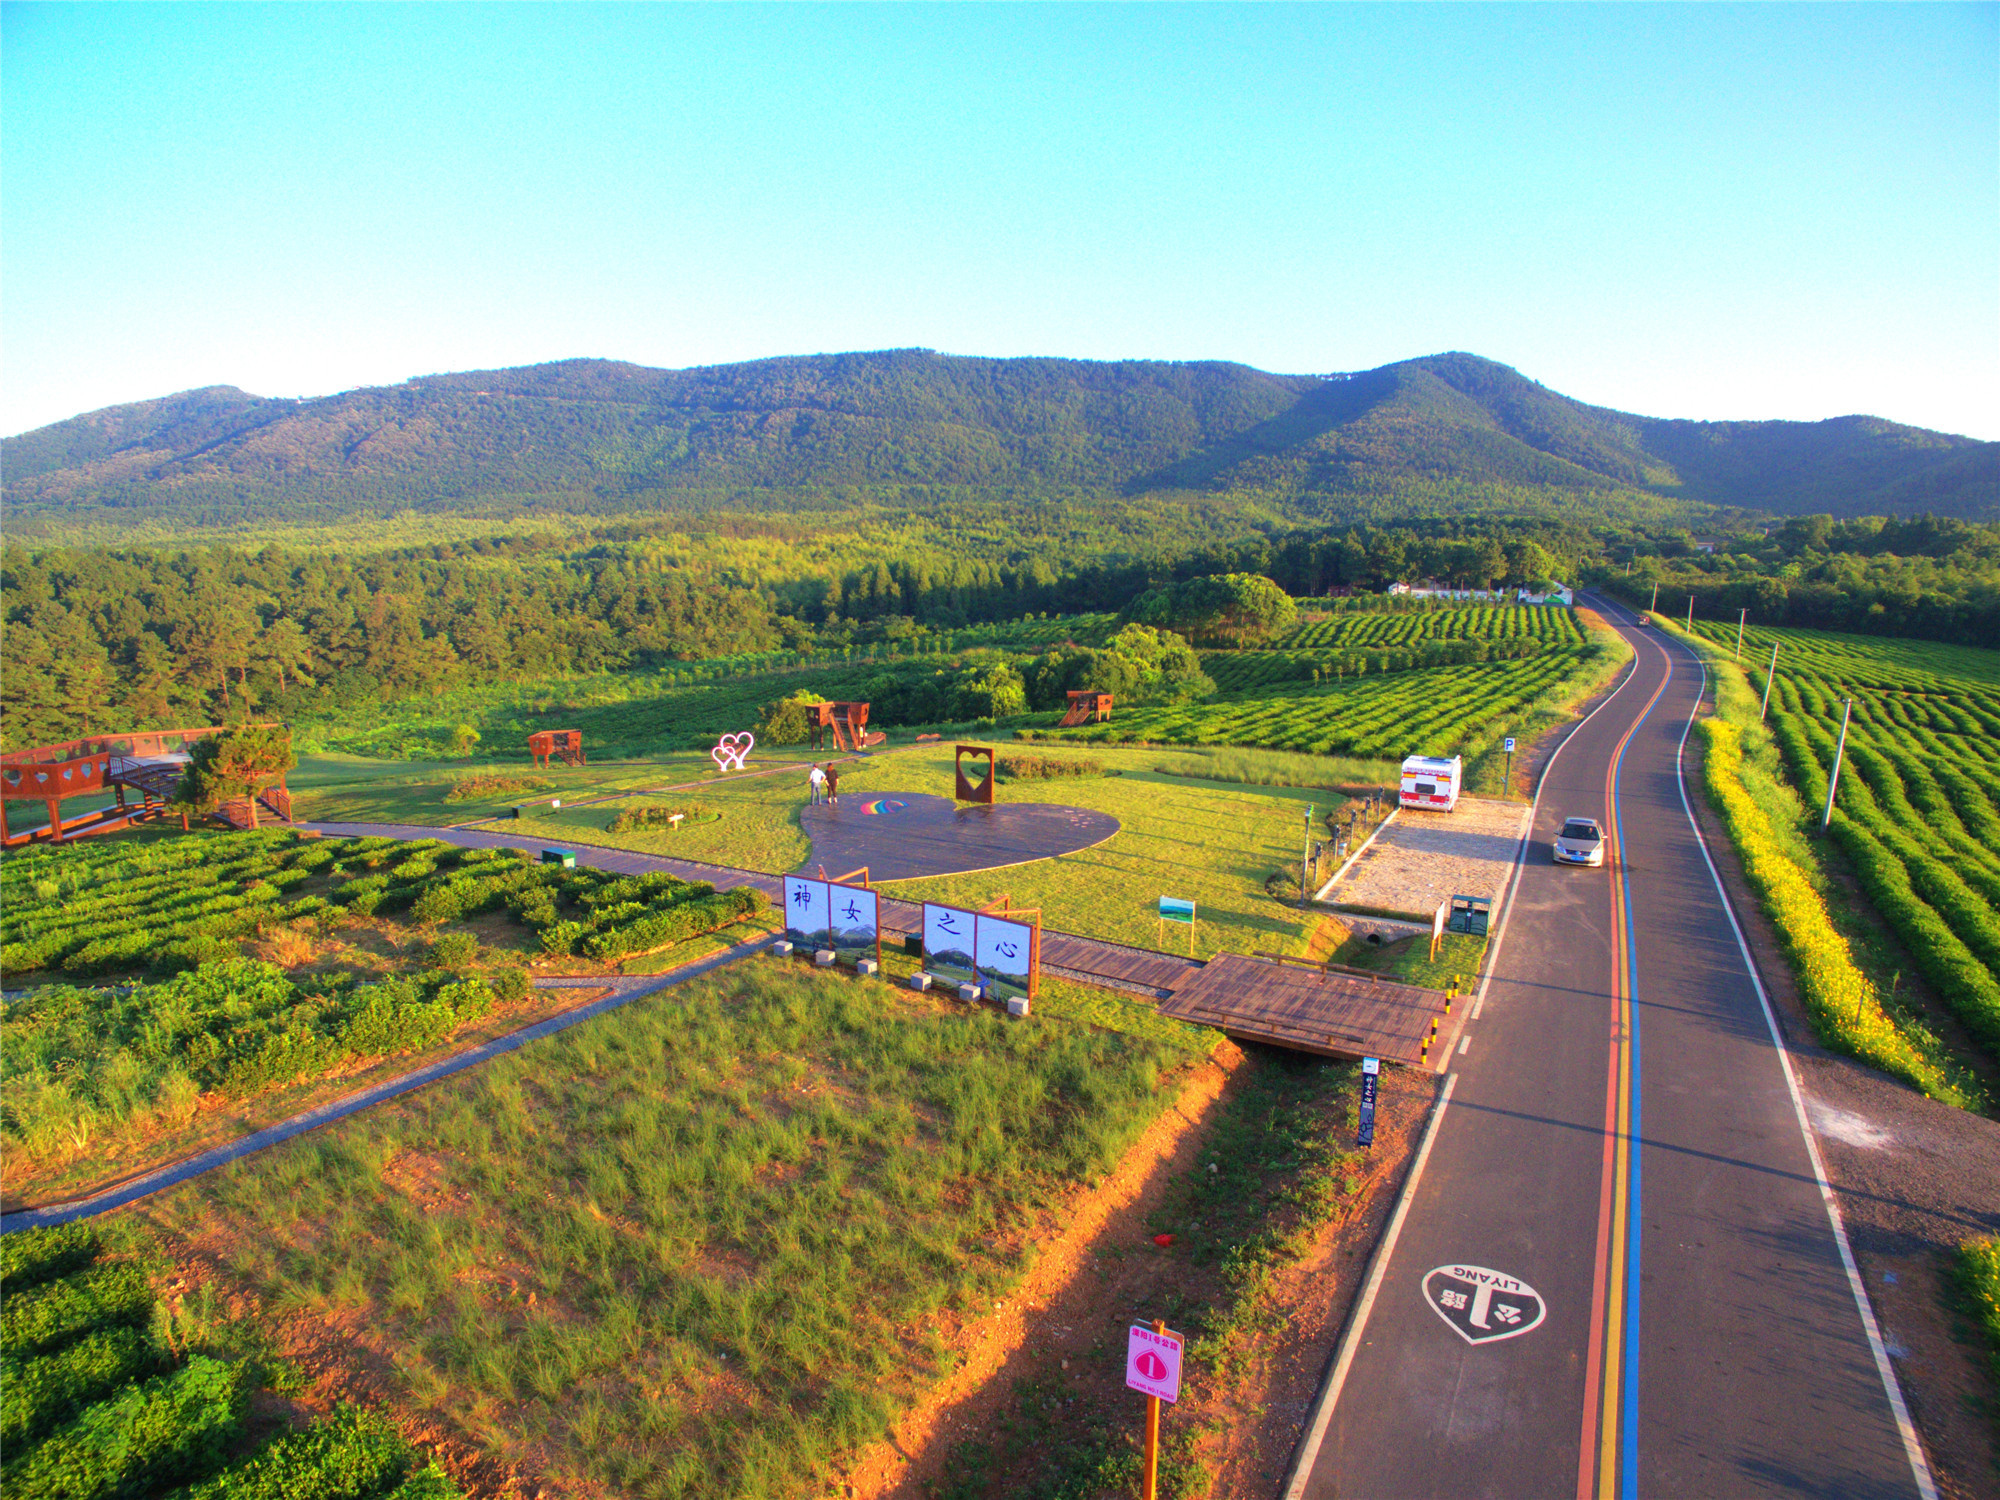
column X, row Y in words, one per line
column 1604, row 1395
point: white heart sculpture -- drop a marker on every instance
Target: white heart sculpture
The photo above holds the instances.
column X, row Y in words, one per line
column 732, row 750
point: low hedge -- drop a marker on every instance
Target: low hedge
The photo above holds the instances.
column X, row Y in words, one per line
column 38, row 1394
column 32, row 1256
column 1977, row 1273
column 350, row 1453
column 1044, row 768
column 662, row 929
column 144, row 1439
column 57, row 1311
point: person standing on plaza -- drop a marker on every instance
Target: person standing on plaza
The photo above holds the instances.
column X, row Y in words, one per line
column 832, row 786
column 817, row 783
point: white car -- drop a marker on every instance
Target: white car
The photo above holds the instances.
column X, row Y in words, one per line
column 1581, row 842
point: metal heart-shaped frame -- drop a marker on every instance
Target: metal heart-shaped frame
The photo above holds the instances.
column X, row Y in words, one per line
column 732, row 750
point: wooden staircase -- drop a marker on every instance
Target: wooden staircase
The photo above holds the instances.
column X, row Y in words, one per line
column 251, row 812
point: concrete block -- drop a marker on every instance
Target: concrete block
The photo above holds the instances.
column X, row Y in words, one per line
column 825, row 958
column 1017, row 1005
column 968, row 992
column 920, row 981
column 866, row 966
column 782, row 948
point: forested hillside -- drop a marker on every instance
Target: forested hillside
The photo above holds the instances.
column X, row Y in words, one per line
column 938, row 433
column 112, row 640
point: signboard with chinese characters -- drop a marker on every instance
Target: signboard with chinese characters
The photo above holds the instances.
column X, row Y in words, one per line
column 807, row 923
column 823, row 914
column 950, row 943
column 999, row 952
column 1005, row 954
column 854, row 915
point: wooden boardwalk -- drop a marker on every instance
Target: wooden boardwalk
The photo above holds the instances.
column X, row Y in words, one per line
column 1285, row 1004
column 1311, row 1009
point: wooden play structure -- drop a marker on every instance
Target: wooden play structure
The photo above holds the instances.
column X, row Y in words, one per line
column 562, row 747
column 849, row 723
column 148, row 762
column 1086, row 706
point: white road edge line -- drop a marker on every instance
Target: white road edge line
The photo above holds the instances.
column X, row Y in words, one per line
column 1464, row 1044
column 1308, row 1454
column 1321, row 1416
column 1913, row 1447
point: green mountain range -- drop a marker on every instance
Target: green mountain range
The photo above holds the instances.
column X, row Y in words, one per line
column 1450, row 431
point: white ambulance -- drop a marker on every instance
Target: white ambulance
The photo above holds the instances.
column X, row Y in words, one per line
column 1432, row 783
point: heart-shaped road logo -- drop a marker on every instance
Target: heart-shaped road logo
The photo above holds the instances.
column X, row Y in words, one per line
column 1483, row 1306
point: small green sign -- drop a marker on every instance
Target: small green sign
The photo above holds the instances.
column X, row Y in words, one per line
column 1173, row 909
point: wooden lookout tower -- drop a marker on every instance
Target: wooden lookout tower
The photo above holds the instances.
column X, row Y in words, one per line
column 1086, row 706
column 560, row 747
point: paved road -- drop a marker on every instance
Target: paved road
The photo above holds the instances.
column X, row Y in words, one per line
column 1674, row 1313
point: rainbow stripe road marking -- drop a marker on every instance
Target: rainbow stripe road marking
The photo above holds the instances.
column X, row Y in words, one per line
column 875, row 806
column 1607, row 1467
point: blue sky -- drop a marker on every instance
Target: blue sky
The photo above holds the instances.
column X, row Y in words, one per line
column 1698, row 211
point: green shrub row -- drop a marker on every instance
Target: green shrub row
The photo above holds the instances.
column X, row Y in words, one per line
column 1952, row 969
column 1846, row 1013
column 56, row 1311
column 1978, row 1276
column 351, row 1453
column 106, row 1414
column 147, row 1437
column 1044, row 767
column 28, row 1259
column 37, row 1394
column 652, row 931
column 640, row 819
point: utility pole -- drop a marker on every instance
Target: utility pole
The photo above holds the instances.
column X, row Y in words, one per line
column 1656, row 600
column 1741, row 616
column 1769, row 672
column 1833, row 781
column 1690, row 614
column 1306, row 858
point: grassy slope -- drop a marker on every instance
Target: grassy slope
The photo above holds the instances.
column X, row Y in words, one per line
column 702, row 1246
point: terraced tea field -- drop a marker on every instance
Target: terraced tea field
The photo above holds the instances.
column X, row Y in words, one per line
column 1918, row 808
column 1440, row 711
column 1395, row 628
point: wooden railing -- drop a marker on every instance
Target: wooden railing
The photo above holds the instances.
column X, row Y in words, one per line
column 138, row 743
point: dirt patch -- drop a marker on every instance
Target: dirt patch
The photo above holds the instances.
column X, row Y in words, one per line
column 1045, row 1373
column 1422, row 858
column 338, row 1369
column 1913, row 1178
column 1042, row 1322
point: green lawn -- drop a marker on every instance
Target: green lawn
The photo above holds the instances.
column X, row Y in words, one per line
column 1212, row 841
column 700, row 1246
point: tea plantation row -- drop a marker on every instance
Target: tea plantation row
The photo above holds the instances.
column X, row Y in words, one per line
column 95, row 1401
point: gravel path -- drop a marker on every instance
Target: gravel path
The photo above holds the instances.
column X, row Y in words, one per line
column 1421, row 858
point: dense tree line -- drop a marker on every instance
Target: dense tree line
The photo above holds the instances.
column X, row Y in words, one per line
column 1928, row 578
column 97, row 639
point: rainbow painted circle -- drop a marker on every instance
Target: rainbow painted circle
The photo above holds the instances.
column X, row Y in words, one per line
column 875, row 805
